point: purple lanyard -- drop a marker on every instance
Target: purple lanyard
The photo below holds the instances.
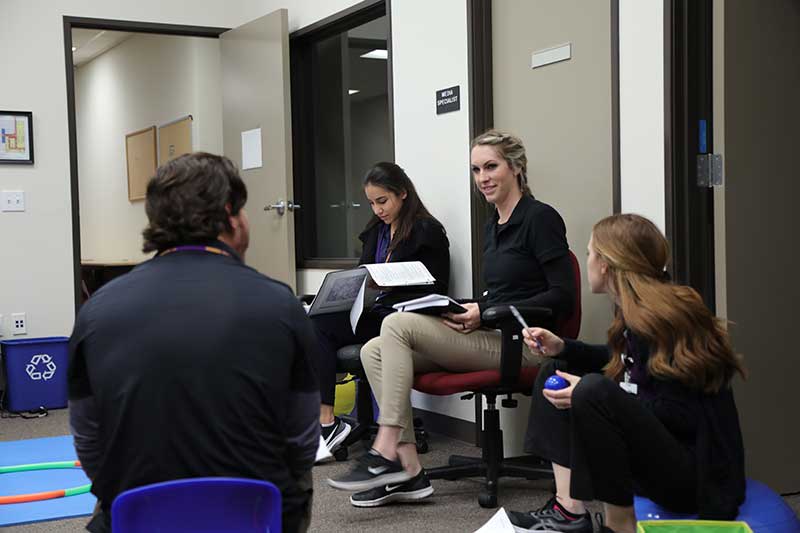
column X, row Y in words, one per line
column 194, row 248
column 384, row 239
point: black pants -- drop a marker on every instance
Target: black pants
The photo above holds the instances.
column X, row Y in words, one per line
column 613, row 445
column 334, row 332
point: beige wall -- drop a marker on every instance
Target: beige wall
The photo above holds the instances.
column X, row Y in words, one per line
column 148, row 80
column 761, row 114
column 563, row 114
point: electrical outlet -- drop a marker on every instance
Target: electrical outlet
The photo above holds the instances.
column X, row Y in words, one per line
column 18, row 323
column 13, row 201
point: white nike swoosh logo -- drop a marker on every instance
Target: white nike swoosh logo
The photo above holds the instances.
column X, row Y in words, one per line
column 391, row 488
column 377, row 470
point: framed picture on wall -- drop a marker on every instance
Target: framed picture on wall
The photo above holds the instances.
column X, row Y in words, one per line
column 16, row 137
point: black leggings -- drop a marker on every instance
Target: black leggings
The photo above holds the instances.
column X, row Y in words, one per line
column 613, row 445
column 333, row 332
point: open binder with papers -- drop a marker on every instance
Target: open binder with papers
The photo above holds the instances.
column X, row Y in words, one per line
column 346, row 289
column 432, row 304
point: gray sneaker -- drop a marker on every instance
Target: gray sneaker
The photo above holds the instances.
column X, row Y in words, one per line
column 550, row 519
column 415, row 489
column 371, row 470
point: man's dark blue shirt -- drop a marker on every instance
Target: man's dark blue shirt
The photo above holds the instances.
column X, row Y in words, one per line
column 194, row 364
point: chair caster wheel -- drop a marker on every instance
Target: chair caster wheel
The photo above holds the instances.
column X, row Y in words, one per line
column 340, row 454
column 422, row 447
column 486, row 500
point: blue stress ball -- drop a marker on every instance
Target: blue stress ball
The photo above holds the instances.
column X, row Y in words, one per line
column 556, row 383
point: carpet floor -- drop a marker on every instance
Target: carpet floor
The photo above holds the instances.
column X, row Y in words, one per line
column 452, row 508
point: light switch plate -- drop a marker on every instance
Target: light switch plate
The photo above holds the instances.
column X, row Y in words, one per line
column 13, row 201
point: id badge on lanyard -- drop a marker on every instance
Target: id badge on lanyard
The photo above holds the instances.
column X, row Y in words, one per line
column 626, row 384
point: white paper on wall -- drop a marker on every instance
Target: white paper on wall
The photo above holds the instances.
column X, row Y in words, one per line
column 251, row 149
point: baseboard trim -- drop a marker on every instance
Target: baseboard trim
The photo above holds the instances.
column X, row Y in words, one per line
column 455, row 428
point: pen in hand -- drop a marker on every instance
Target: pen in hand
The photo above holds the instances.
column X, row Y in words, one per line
column 518, row 316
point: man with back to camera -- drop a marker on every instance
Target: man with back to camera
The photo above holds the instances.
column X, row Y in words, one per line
column 193, row 364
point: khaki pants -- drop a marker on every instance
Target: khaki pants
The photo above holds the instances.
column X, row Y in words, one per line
column 411, row 344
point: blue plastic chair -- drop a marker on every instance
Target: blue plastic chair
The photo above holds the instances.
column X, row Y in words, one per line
column 763, row 510
column 199, row 505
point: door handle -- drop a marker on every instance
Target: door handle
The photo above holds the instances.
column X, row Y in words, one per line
column 282, row 206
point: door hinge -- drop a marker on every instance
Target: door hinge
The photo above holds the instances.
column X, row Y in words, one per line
column 709, row 170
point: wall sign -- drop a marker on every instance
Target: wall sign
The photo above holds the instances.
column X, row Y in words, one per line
column 448, row 100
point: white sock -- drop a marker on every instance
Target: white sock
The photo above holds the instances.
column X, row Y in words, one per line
column 329, row 425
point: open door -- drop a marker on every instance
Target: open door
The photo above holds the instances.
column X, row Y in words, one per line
column 255, row 95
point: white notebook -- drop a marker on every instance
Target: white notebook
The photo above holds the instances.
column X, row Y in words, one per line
column 399, row 274
column 431, row 304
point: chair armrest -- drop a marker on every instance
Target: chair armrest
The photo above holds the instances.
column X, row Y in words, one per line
column 534, row 316
column 500, row 317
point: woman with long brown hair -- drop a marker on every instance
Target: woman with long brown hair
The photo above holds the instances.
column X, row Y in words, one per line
column 652, row 412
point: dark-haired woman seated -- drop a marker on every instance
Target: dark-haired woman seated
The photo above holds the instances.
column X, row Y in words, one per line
column 401, row 229
column 653, row 412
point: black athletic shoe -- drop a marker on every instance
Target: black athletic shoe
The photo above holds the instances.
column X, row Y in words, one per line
column 334, row 435
column 416, row 488
column 550, row 518
column 371, row 470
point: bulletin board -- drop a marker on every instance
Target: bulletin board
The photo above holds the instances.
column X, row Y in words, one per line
column 140, row 152
column 174, row 139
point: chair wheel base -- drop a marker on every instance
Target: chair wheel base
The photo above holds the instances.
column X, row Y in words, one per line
column 487, row 501
column 341, row 454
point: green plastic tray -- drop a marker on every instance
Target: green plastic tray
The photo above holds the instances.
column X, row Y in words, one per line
column 691, row 526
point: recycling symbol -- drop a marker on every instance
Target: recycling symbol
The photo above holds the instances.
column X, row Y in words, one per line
column 41, row 367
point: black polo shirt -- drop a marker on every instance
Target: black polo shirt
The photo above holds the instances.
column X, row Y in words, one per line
column 519, row 259
column 195, row 362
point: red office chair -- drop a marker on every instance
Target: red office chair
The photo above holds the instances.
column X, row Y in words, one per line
column 509, row 379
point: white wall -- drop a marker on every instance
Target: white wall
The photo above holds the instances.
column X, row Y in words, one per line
column 429, row 45
column 641, row 109
column 147, row 80
column 37, row 270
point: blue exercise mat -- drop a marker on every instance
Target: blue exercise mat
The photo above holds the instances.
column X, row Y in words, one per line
column 42, row 451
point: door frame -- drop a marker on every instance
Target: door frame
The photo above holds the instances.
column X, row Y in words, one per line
column 300, row 41
column 132, row 26
column 688, row 98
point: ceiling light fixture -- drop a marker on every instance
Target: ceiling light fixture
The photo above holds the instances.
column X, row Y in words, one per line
column 378, row 53
column 353, row 91
column 74, row 48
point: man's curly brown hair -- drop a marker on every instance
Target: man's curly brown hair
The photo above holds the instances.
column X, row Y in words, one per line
column 187, row 199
